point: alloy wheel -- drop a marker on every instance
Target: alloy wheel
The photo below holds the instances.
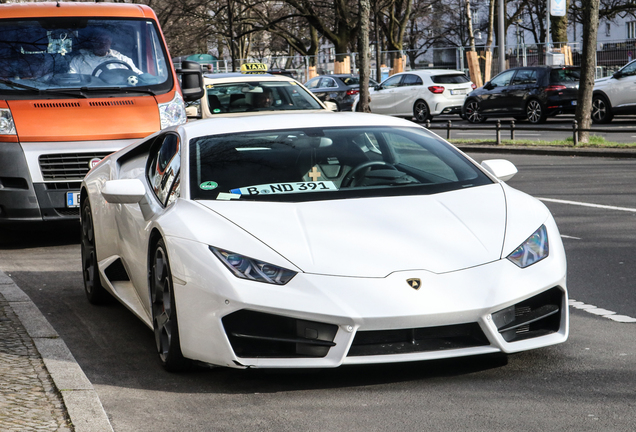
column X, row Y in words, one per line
column 534, row 112
column 421, row 111
column 472, row 112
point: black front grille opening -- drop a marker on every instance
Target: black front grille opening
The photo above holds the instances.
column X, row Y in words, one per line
column 63, row 186
column 535, row 317
column 258, row 334
column 70, row 211
column 408, row 341
column 14, row 183
column 71, row 166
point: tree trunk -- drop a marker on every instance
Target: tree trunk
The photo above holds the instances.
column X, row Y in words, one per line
column 363, row 43
column 588, row 65
column 559, row 26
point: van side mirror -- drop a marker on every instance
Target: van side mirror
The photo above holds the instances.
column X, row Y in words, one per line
column 191, row 77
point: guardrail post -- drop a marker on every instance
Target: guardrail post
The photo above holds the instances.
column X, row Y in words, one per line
column 448, row 129
column 575, row 134
column 512, row 130
column 498, row 129
column 428, row 124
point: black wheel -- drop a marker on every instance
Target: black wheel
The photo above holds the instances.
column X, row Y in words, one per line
column 164, row 312
column 421, row 111
column 95, row 292
column 472, row 113
column 535, row 112
column 601, row 110
column 348, row 179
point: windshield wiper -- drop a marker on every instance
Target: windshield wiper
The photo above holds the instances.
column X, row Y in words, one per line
column 119, row 89
column 39, row 91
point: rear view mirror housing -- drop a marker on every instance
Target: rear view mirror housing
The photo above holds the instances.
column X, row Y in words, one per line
column 503, row 169
column 191, row 79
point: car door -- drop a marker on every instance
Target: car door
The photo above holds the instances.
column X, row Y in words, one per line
column 495, row 98
column 523, row 83
column 622, row 93
column 383, row 96
column 407, row 93
column 160, row 172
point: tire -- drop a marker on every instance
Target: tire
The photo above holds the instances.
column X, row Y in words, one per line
column 535, row 113
column 601, row 110
column 421, row 112
column 95, row 292
column 164, row 312
column 471, row 111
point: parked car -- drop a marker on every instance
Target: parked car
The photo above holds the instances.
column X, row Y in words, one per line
column 243, row 92
column 615, row 95
column 525, row 93
column 420, row 94
column 302, row 240
column 341, row 89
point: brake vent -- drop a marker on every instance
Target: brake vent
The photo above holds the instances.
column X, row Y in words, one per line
column 111, row 103
column 57, row 105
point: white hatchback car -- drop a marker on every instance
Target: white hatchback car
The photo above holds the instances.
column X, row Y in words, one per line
column 421, row 94
column 615, row 94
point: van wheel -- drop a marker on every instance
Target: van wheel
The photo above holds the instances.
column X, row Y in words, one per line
column 601, row 109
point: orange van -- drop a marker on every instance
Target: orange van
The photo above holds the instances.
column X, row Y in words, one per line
column 77, row 82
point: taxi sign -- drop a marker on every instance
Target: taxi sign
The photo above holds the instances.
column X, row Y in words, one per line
column 253, row 68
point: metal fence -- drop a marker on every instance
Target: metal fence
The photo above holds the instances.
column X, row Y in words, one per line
column 610, row 56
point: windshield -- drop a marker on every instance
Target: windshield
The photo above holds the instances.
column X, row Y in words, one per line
column 45, row 55
column 327, row 163
column 259, row 96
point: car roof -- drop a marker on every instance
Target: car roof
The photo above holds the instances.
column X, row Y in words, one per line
column 428, row 72
column 241, row 77
column 277, row 120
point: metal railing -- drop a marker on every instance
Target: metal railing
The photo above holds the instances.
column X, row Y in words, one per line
column 512, row 129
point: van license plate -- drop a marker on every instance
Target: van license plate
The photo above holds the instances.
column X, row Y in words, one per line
column 72, row 199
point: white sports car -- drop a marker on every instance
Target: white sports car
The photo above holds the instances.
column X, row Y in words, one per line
column 320, row 239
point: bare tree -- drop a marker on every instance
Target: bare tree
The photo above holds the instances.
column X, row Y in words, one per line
column 588, row 63
column 363, row 44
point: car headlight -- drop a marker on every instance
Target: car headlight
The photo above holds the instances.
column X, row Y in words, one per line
column 533, row 250
column 173, row 113
column 249, row 268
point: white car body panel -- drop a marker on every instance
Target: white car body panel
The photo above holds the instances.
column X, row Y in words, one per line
column 353, row 257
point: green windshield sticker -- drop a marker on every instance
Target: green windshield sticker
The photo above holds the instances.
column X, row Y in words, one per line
column 216, row 110
column 208, row 185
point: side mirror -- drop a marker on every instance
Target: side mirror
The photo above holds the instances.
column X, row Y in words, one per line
column 191, row 78
column 503, row 169
column 124, row 191
column 618, row 74
column 489, row 86
column 377, row 88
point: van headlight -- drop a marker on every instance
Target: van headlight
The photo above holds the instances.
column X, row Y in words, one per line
column 173, row 113
column 7, row 127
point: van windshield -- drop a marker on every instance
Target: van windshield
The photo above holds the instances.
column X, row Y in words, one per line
column 91, row 56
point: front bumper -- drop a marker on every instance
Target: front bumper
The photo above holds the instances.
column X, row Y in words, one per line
column 328, row 321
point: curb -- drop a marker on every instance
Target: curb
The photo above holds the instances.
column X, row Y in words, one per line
column 80, row 398
column 546, row 150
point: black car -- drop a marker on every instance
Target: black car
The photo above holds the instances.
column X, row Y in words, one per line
column 341, row 89
column 525, row 93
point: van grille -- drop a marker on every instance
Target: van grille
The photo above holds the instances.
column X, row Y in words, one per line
column 57, row 105
column 69, row 166
column 111, row 103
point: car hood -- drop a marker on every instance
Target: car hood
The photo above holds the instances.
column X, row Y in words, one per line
column 602, row 81
column 373, row 237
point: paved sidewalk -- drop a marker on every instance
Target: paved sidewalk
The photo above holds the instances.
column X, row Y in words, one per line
column 42, row 388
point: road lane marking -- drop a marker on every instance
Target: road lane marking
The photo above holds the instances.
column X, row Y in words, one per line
column 582, row 204
column 600, row 312
column 570, row 237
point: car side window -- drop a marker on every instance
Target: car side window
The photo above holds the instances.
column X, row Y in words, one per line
column 328, row 83
column 524, row 77
column 392, row 82
column 164, row 163
column 411, row 80
column 313, row 83
column 503, row 79
column 630, row 69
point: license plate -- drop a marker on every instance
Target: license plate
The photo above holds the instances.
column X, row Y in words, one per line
column 458, row 92
column 72, row 199
column 573, row 102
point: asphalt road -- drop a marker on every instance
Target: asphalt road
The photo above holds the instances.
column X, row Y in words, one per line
column 586, row 384
column 623, row 129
